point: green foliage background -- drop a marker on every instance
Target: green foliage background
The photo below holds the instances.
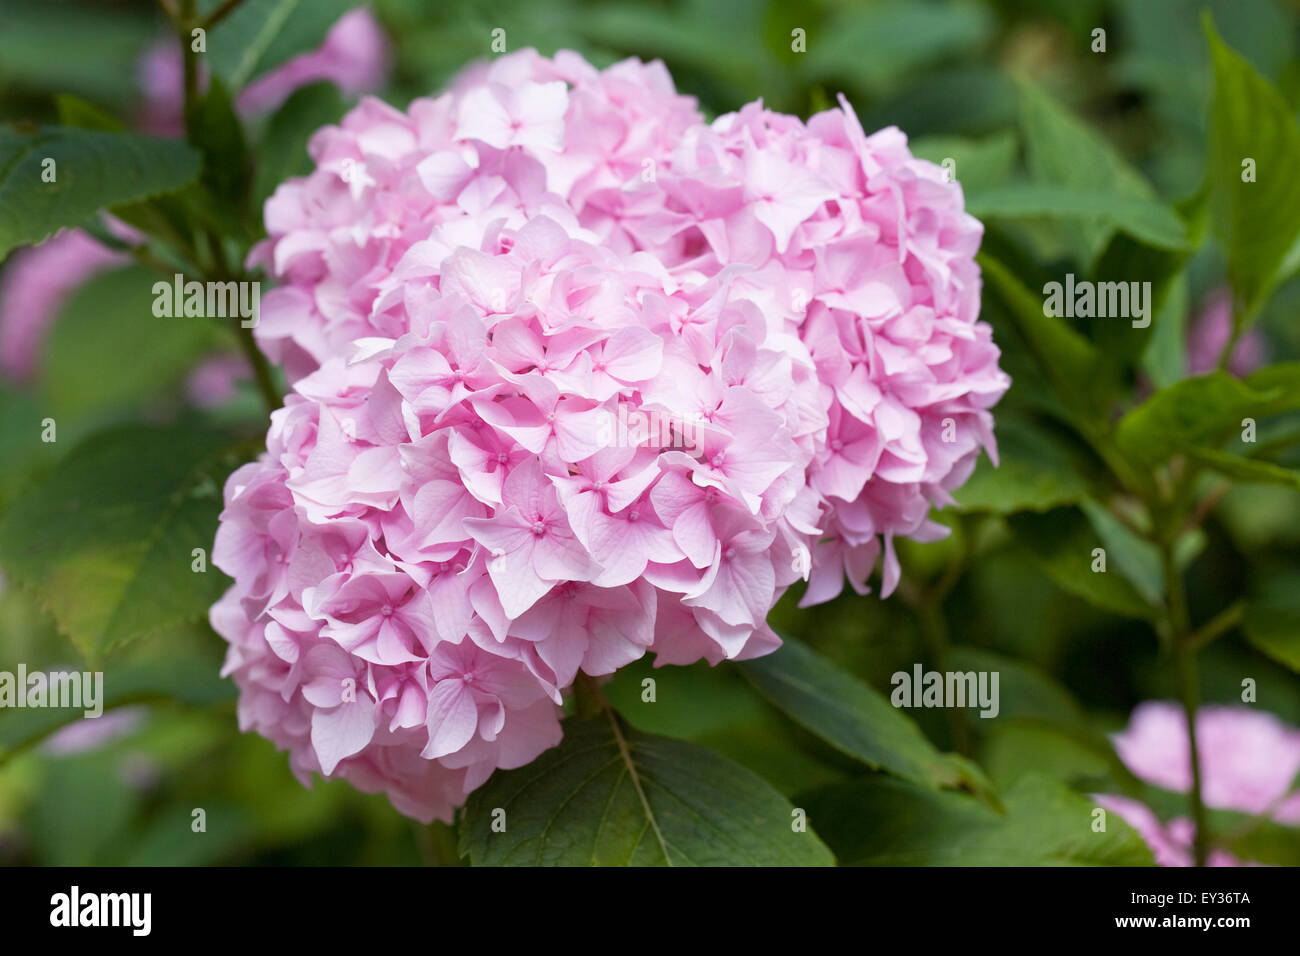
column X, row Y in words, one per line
column 1115, row 165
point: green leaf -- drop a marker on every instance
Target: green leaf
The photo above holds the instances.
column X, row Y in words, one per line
column 854, row 718
column 1133, row 556
column 107, row 539
column 1063, row 541
column 879, row 821
column 1141, row 217
column 1071, row 365
column 227, row 174
column 977, row 163
column 1281, row 382
column 1248, row 470
column 282, row 153
column 903, row 37
column 108, row 352
column 612, row 796
column 1025, row 692
column 262, row 34
column 1165, row 358
column 1064, row 151
column 1030, row 698
column 1034, row 473
column 1195, row 411
column 1257, row 221
column 1274, row 629
column 74, row 111
column 716, row 707
column 93, row 170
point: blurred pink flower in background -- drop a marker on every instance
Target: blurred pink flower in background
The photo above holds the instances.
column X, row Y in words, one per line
column 1249, row 760
column 1209, row 334
column 35, row 284
column 91, row 733
column 354, row 56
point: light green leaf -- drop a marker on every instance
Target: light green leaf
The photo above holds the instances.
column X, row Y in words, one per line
column 854, row 718
column 1250, row 122
column 1195, row 411
column 107, row 539
column 977, row 163
column 1143, row 218
column 1062, row 150
column 93, row 170
column 108, row 352
column 1132, row 555
column 612, row 796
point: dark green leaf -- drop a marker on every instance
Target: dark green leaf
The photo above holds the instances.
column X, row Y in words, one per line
column 93, row 170
column 613, row 796
column 1071, row 365
column 854, row 718
column 1063, row 541
column 879, row 821
column 1034, row 473
column 1274, row 628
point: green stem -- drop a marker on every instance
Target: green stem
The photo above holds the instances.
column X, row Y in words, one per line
column 1177, row 632
column 186, row 18
column 1185, row 664
column 261, row 369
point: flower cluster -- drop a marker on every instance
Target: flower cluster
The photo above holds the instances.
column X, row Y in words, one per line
column 1249, row 760
column 577, row 376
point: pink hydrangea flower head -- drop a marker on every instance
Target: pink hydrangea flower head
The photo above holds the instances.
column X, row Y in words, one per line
column 569, row 385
